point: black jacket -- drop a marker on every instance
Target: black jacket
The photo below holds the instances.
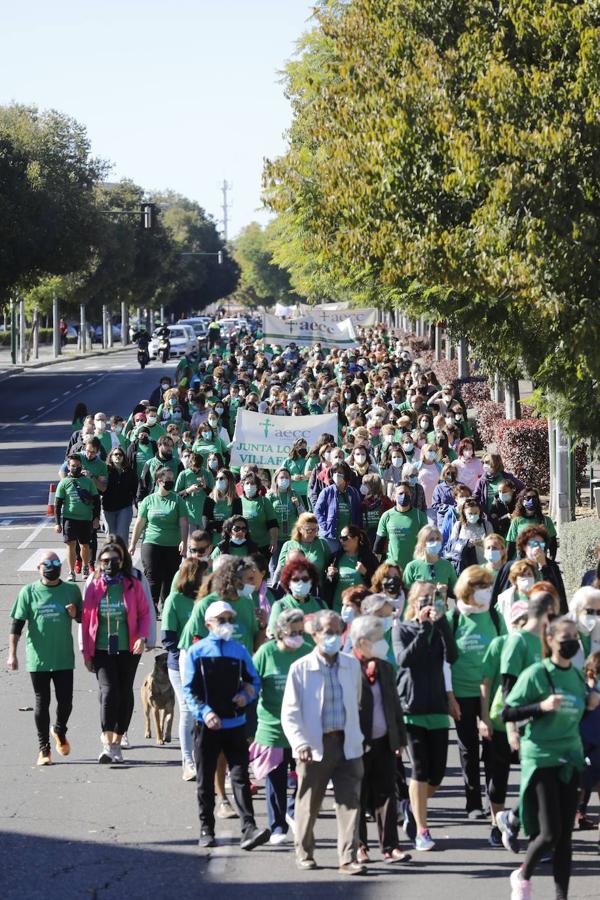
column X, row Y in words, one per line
column 396, row 733
column 215, row 526
column 121, row 489
column 421, row 650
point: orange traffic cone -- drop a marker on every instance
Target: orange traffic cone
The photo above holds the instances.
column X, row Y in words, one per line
column 51, row 493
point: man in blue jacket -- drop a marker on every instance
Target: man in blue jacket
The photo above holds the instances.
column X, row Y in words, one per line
column 219, row 680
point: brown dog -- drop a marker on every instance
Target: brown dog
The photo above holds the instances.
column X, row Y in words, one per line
column 158, row 696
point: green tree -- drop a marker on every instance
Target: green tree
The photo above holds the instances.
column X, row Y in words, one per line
column 262, row 280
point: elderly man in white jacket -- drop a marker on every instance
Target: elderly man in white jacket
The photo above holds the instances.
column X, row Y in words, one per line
column 320, row 720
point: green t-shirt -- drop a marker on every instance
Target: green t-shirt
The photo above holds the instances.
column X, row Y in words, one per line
column 317, row 552
column 234, row 550
column 440, row 572
column 286, row 512
column 522, row 649
column 521, row 522
column 343, row 519
column 490, row 670
column 156, row 431
column 401, row 530
column 273, row 666
column 297, row 467
column 49, row 646
column 222, row 510
column 162, row 515
column 112, row 618
column 493, row 486
column 473, row 636
column 176, row 612
column 194, row 503
column 246, row 624
column 96, row 467
column 143, row 454
column 309, row 607
column 430, row 721
column 155, row 464
column 257, row 513
column 348, row 577
column 74, row 507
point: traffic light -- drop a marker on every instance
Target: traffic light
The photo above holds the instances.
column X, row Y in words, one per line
column 148, row 216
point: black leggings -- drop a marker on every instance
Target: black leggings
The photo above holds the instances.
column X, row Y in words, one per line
column 115, row 674
column 469, row 750
column 160, row 565
column 497, row 754
column 63, row 688
column 428, row 749
column 557, row 804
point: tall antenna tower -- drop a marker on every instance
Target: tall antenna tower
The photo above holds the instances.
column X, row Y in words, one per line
column 225, row 188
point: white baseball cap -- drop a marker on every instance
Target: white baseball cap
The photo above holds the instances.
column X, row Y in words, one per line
column 217, row 609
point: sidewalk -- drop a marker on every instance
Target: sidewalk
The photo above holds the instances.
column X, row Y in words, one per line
column 46, row 358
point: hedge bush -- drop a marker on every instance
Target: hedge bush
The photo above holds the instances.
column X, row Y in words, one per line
column 523, row 445
column 473, row 389
column 576, row 554
column 45, row 337
column 487, row 414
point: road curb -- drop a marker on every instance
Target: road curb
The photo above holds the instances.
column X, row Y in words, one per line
column 18, row 370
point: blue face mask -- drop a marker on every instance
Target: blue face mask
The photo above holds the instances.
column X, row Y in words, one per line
column 433, row 547
column 493, row 554
column 348, row 614
column 331, row 644
column 247, row 590
column 388, row 621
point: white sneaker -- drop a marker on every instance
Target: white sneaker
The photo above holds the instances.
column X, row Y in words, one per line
column 519, row 888
column 106, row 757
column 291, row 823
column 117, row 753
column 125, row 742
column 278, row 837
column 189, row 771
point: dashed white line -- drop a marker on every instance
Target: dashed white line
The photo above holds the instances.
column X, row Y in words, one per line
column 24, row 417
column 78, row 385
column 32, row 536
column 54, row 399
column 39, row 407
column 65, row 393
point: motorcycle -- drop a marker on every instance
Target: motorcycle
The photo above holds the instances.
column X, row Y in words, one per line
column 143, row 357
column 164, row 349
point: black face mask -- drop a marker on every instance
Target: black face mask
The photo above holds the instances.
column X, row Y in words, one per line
column 75, row 473
column 392, row 585
column 51, row 570
column 302, row 452
column 168, row 485
column 568, row 648
column 111, row 567
column 144, row 438
column 166, row 454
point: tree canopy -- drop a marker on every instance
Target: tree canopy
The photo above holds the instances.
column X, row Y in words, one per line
column 262, row 280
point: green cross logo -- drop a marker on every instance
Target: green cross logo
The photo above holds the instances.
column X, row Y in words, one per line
column 267, row 424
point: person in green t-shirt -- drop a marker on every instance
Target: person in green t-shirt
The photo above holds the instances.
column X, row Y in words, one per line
column 528, row 511
column 141, row 450
column 272, row 662
column 399, row 528
column 474, row 626
column 93, row 466
column 162, row 516
column 191, row 487
column 305, row 539
column 552, row 697
column 427, row 564
column 77, row 512
column 164, row 458
column 259, row 513
column 296, row 465
column 48, row 607
column 299, row 579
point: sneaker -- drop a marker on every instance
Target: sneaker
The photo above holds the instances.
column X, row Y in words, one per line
column 506, row 823
column 475, row 814
column 306, row 863
column 125, row 742
column 278, row 837
column 71, row 576
column 207, row 838
column 224, row 809
column 409, row 825
column 44, row 758
column 519, row 888
column 424, row 841
column 85, row 571
column 117, row 753
column 62, row 745
column 77, row 566
column 106, row 757
column 254, row 837
column 495, row 838
column 189, row 771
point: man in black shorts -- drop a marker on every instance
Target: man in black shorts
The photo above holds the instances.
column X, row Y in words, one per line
column 77, row 513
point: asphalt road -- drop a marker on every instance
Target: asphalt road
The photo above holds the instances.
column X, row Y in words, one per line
column 78, row 830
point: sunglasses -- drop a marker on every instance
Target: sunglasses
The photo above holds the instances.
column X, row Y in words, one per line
column 227, row 621
column 593, row 612
column 304, row 578
column 239, row 528
column 200, row 550
column 345, row 537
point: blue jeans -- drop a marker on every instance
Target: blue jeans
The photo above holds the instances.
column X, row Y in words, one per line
column 278, row 803
column 118, row 522
column 186, row 719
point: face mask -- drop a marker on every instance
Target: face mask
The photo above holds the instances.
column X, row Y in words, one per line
column 100, row 425
column 213, row 465
column 402, row 500
column 238, row 541
column 424, row 424
column 433, row 547
column 331, row 644
column 492, row 554
column 408, row 448
column 360, row 458
column 246, row 591
column 166, row 454
column 293, row 641
column 348, row 614
column 412, row 480
column 300, row 588
column 505, row 496
column 466, row 609
column 588, row 623
column 467, row 454
column 221, row 484
column 449, row 478
column 284, row 484
column 487, row 469
column 111, row 567
column 392, row 585
column 213, row 423
column 529, row 504
column 397, row 461
column 483, row 597
column 327, row 455
column 151, row 420
column 338, row 479
column 207, row 435
column 364, row 490
column 165, row 386
column 380, row 649
column 172, row 401
column 168, row 485
column 388, row 621
column 524, row 583
column 568, row 648
column 74, row 473
column 223, row 631
column 51, row 569
column 250, row 490
column 472, row 518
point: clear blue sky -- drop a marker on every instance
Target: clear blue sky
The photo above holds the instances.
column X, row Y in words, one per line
column 178, row 94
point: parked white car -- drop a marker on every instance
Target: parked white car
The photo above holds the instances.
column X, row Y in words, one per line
column 182, row 339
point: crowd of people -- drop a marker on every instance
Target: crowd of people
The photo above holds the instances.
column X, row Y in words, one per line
column 326, row 621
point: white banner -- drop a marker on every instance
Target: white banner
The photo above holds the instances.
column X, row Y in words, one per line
column 339, row 312
column 307, row 330
column 266, row 441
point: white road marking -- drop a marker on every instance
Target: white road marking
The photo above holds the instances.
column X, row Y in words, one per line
column 78, row 385
column 4, row 524
column 32, row 562
column 54, row 399
column 33, row 535
column 24, row 417
column 39, row 407
column 65, row 393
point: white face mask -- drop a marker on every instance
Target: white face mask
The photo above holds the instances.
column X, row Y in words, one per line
column 338, row 478
column 284, row 484
column 250, row 490
column 482, row 597
column 293, row 641
column 472, row 518
column 360, row 458
column 151, row 420
column 300, row 588
column 100, row 425
column 467, row 454
column 408, row 448
column 379, row 649
column 588, row 623
column 223, row 631
column 524, row 583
